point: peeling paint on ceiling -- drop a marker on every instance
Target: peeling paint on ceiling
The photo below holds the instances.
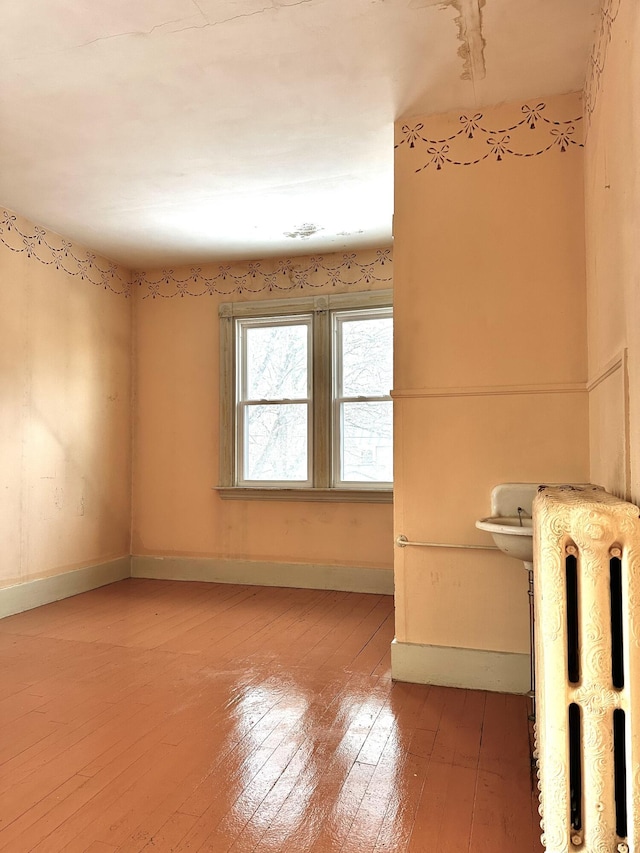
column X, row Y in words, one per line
column 305, row 231
column 176, row 131
column 469, row 24
column 471, row 50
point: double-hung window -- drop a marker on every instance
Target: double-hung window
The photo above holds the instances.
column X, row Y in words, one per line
column 362, row 414
column 305, row 407
column 274, row 400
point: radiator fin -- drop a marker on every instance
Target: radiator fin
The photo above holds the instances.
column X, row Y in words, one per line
column 573, row 642
column 587, row 614
column 617, row 643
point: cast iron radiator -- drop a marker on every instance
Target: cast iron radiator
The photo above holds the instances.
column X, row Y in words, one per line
column 587, row 612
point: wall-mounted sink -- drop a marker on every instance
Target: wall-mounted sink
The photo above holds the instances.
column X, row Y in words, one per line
column 511, row 526
column 513, row 535
column 510, row 520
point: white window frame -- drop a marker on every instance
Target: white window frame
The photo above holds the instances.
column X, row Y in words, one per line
column 338, row 319
column 243, row 403
column 323, row 485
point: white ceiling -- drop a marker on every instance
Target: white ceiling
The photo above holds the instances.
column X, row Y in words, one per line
column 168, row 131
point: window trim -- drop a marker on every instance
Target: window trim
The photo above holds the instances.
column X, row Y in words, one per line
column 242, row 403
column 320, row 307
column 337, row 398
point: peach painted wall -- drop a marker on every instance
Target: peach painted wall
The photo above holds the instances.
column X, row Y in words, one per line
column 65, row 327
column 176, row 510
column 491, row 359
column 612, row 193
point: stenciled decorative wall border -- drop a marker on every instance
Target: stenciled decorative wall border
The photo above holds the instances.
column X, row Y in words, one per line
column 41, row 245
column 609, row 10
column 318, row 271
column 269, row 276
column 465, row 148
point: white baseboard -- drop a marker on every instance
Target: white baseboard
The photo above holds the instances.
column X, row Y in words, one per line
column 25, row 596
column 474, row 669
column 301, row 575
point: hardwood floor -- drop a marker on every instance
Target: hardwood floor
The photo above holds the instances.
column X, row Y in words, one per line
column 165, row 716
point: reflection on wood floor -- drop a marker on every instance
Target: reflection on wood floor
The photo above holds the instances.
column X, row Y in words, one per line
column 166, row 716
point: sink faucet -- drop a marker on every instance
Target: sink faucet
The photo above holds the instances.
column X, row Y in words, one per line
column 522, row 512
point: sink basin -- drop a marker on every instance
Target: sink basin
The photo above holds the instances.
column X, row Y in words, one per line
column 512, row 535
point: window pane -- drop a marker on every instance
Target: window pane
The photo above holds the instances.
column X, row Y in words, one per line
column 276, row 362
column 367, row 442
column 276, row 442
column 367, row 357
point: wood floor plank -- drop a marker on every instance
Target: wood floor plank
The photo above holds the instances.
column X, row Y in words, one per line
column 376, row 648
column 398, row 821
column 300, row 819
column 340, row 817
column 100, row 803
column 280, row 632
column 333, row 726
column 444, row 814
column 330, row 721
column 459, row 732
column 170, row 833
column 358, row 638
column 333, row 721
column 220, row 636
column 167, row 716
column 367, row 823
column 33, row 729
column 407, row 701
column 503, row 765
column 18, row 831
column 55, row 758
column 355, row 610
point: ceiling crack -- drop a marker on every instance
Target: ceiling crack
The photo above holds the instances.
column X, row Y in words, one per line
column 129, row 33
column 275, row 5
column 198, row 7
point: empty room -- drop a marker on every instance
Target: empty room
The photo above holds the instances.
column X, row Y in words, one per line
column 320, row 426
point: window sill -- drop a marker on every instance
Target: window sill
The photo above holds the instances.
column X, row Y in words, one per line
column 243, row 493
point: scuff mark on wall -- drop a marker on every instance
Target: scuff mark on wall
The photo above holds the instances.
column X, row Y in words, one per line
column 469, row 23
